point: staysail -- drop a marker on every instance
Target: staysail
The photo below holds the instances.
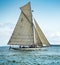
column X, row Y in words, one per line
column 23, row 32
column 37, row 39
column 41, row 35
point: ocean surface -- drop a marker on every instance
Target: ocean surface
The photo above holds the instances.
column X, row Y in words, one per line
column 45, row 56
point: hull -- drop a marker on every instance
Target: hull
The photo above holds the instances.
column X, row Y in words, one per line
column 26, row 49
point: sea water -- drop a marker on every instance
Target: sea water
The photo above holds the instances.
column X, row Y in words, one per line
column 44, row 56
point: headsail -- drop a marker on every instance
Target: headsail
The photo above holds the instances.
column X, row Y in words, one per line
column 23, row 32
column 37, row 39
column 41, row 35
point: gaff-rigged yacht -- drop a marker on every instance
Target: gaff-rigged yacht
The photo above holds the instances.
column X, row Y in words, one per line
column 27, row 33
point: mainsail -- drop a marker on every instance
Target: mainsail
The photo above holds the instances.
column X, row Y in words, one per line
column 23, row 32
column 27, row 33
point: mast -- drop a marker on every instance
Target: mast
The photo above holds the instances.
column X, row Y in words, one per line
column 41, row 35
column 23, row 32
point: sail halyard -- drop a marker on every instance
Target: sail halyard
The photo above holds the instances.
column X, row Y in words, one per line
column 23, row 32
column 41, row 35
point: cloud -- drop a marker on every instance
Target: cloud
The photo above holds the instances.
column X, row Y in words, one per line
column 6, row 25
column 55, row 35
column 6, row 30
column 55, row 38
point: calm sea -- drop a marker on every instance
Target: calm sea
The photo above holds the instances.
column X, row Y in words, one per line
column 45, row 56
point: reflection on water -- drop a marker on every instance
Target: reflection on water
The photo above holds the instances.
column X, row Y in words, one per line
column 45, row 56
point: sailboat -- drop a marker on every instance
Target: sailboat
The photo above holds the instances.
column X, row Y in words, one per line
column 27, row 33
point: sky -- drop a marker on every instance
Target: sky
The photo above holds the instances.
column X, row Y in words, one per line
column 46, row 13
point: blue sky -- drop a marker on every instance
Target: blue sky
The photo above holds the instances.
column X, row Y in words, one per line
column 46, row 12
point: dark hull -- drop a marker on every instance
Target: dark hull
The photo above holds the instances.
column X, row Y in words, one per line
column 26, row 49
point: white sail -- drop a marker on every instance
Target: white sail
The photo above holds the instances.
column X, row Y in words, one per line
column 26, row 10
column 23, row 32
column 41, row 35
column 37, row 39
